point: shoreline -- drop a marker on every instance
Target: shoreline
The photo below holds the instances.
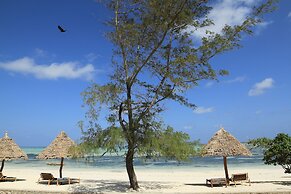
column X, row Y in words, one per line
column 47, row 192
column 271, row 180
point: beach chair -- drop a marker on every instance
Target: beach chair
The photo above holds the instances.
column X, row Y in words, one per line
column 6, row 178
column 216, row 181
column 47, row 177
column 67, row 180
column 239, row 178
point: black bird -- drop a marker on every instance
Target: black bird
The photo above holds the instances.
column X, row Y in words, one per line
column 61, row 29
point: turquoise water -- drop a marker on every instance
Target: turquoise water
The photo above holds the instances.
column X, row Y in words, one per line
column 117, row 162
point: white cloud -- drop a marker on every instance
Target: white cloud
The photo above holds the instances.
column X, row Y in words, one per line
column 209, row 84
column 237, row 79
column 92, row 57
column 40, row 52
column 68, row 70
column 265, row 24
column 260, row 87
column 289, row 14
column 262, row 26
column 202, row 110
column 188, row 127
column 230, row 12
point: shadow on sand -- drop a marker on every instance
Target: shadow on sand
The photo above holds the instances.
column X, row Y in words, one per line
column 104, row 186
column 13, row 180
column 109, row 186
column 284, row 183
column 20, row 179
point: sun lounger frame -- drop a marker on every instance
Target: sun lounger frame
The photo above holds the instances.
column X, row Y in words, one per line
column 239, row 178
column 67, row 180
column 7, row 178
column 216, row 181
column 48, row 177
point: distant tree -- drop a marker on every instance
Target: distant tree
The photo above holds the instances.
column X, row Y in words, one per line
column 277, row 151
column 156, row 58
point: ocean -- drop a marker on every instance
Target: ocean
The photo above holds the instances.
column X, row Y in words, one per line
column 118, row 162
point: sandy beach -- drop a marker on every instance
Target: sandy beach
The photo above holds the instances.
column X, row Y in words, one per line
column 266, row 179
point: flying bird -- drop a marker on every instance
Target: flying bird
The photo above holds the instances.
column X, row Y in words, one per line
column 61, row 29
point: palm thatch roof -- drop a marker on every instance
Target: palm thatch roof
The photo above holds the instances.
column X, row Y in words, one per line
column 224, row 144
column 58, row 148
column 9, row 150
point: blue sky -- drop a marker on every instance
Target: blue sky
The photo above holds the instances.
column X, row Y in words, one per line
column 43, row 72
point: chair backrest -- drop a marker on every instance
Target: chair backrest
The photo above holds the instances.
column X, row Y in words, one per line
column 240, row 177
column 46, row 176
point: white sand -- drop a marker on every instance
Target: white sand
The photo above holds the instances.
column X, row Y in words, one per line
column 266, row 179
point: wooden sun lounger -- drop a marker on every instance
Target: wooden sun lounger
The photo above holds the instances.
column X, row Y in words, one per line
column 239, row 178
column 216, row 181
column 49, row 178
column 67, row 180
column 6, row 178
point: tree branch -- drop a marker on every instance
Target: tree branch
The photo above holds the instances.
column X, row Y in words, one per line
column 166, row 74
column 120, row 117
column 158, row 45
column 119, row 39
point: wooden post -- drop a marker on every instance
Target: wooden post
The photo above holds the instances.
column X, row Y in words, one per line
column 2, row 165
column 226, row 170
column 61, row 167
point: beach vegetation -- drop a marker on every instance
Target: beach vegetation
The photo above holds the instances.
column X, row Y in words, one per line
column 84, row 149
column 276, row 151
column 157, row 58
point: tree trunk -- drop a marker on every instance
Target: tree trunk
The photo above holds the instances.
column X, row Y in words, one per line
column 226, row 170
column 2, row 165
column 61, row 167
column 130, row 169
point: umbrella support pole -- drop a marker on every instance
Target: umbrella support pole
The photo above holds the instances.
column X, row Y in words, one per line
column 226, row 170
column 61, row 167
column 2, row 165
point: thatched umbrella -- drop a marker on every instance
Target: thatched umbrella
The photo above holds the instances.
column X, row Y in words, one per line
column 9, row 150
column 59, row 148
column 224, row 144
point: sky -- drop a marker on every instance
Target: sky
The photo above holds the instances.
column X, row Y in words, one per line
column 44, row 71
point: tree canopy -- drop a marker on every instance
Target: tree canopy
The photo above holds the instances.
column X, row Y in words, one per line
column 156, row 58
column 276, row 151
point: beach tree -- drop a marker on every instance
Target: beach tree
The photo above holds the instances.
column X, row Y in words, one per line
column 157, row 58
column 276, row 151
